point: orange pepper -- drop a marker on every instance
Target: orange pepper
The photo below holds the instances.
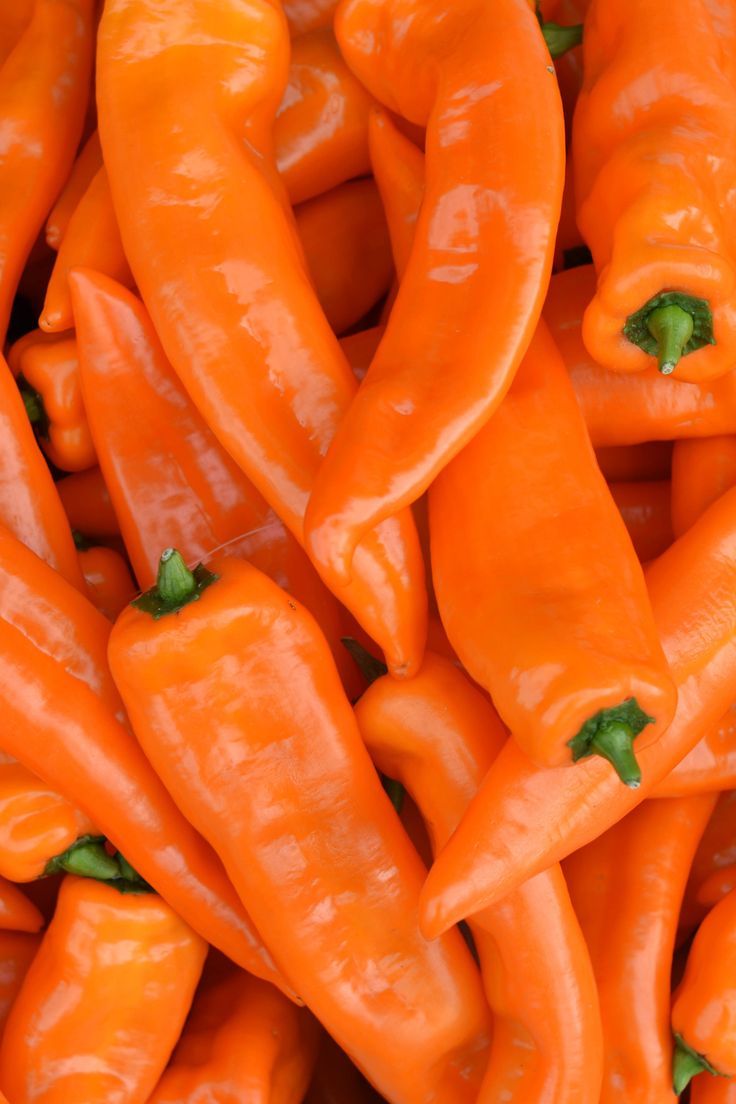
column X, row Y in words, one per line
column 716, row 853
column 306, row 15
column 17, row 951
column 235, row 312
column 655, row 207
column 713, row 1090
column 336, row 1080
column 702, row 470
column 17, row 913
column 645, row 508
column 359, row 348
column 250, row 728
column 398, row 166
column 480, row 262
column 704, row 1003
column 104, row 1000
column 635, row 463
column 14, row 18
column 109, row 582
column 243, row 1040
column 524, row 818
column 86, row 501
column 710, row 766
column 346, row 246
column 89, row 160
column 44, row 86
column 627, row 888
column 321, row 128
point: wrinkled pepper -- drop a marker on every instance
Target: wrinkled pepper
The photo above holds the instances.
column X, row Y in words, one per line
column 257, row 742
column 656, row 205
column 645, row 509
column 473, row 288
column 89, row 160
column 702, row 470
column 235, row 312
column 524, row 818
column 104, row 1000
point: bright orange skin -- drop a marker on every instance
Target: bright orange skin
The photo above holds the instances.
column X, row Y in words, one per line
column 711, row 765
column 704, row 1003
column 347, row 250
column 86, row 501
column 645, row 508
column 17, row 951
column 524, row 818
column 92, row 240
column 237, row 702
column 655, row 208
column 635, row 463
column 88, row 161
column 437, row 734
column 109, row 582
column 13, row 21
column 716, row 853
column 320, row 132
column 306, row 15
column 170, row 480
column 44, row 87
column 546, row 560
column 713, row 1090
column 625, row 409
column 474, row 284
column 17, row 913
column 627, row 888
column 702, row 470
column 398, row 166
column 243, row 1041
column 233, row 307
column 104, row 1000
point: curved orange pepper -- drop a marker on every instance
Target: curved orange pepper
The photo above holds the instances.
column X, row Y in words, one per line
column 235, row 312
column 711, row 765
column 17, row 951
column 14, row 19
column 17, row 913
column 44, row 87
column 474, row 285
column 702, row 470
column 398, row 166
column 89, row 160
column 86, row 501
column 713, row 1090
column 109, row 583
column 104, row 1000
column 237, row 702
column 645, row 507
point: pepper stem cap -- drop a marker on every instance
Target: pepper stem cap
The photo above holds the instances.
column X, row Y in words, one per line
column 615, row 742
column 561, row 38
column 87, row 858
column 686, row 1064
column 176, row 586
column 671, row 327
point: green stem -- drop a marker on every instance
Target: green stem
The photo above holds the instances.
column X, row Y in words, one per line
column 611, row 733
column 671, row 327
column 87, row 858
column 176, row 586
column 615, row 742
column 80, row 541
column 686, row 1064
column 561, row 38
column 33, row 404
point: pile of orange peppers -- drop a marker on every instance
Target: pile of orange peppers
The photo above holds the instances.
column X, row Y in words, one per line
column 367, row 552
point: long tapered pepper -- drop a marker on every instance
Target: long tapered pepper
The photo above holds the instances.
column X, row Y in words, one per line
column 627, row 888
column 17, row 913
column 236, row 314
column 243, row 1041
column 104, row 1000
column 473, row 288
column 625, row 409
column 88, row 161
column 283, row 787
column 645, row 509
column 44, row 85
column 704, row 1003
column 398, row 166
column 654, row 206
column 711, row 765
column 437, row 735
column 702, row 470
column 525, row 818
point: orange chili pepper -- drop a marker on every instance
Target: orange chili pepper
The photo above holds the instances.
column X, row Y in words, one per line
column 703, row 1003
column 243, row 1040
column 86, row 501
column 623, row 409
column 475, row 281
column 645, row 508
column 654, row 207
column 348, row 254
column 44, row 85
column 280, row 781
column 524, row 818
column 336, row 1080
column 321, row 126
column 716, row 852
column 398, row 167
column 109, row 582
column 14, row 19
column 17, row 913
column 717, row 886
column 710, row 766
column 104, row 1000
column 92, row 240
column 236, row 314
column 437, row 735
column 88, row 161
column 627, row 887
column 305, row 15
column 702, row 470
column 635, row 463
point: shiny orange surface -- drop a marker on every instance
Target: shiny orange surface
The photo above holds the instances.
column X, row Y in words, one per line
column 89, row 160
column 17, row 950
column 702, row 470
column 711, row 765
column 305, row 15
column 86, row 502
column 398, row 166
column 109, row 583
column 104, row 1000
column 238, row 705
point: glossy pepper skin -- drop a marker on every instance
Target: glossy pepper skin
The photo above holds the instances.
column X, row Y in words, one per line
column 306, row 15
column 13, row 21
column 109, row 583
column 644, row 506
column 545, row 558
column 437, row 734
column 87, row 504
column 525, row 818
column 236, row 314
column 398, row 167
column 17, row 951
column 713, row 1090
column 89, row 160
column 655, row 208
column 702, row 470
column 103, row 1003
column 627, row 409
column 321, row 128
column 17, row 913
column 627, row 888
column 170, row 479
column 346, row 246
column 711, row 765
column 243, row 1040
column 284, row 789
column 704, row 1003
column 44, row 86
column 716, row 852
column 474, row 284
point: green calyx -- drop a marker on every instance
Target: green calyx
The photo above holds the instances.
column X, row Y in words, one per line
column 395, row 791
column 176, row 586
column 35, row 409
column 611, row 734
column 670, row 326
column 561, row 38
column 88, row 858
column 687, row 1063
